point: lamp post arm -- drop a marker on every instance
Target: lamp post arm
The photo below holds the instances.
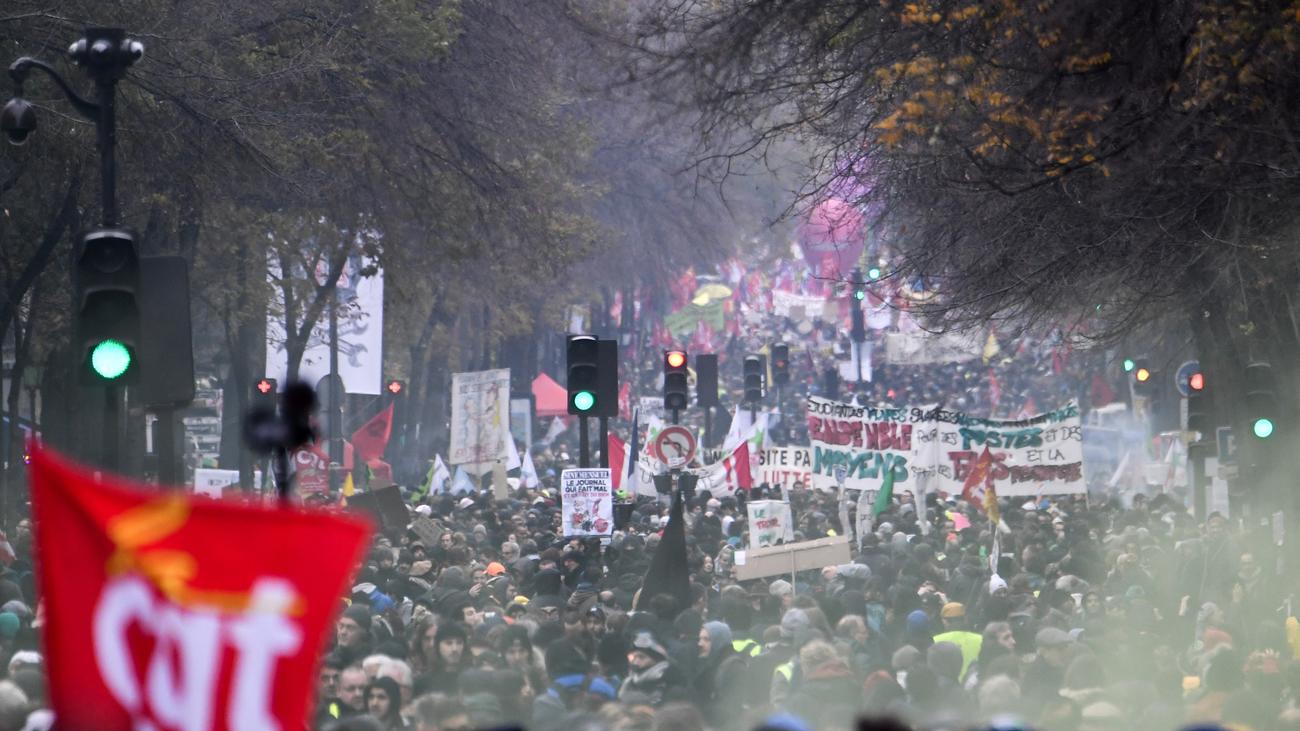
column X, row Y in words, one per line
column 18, row 71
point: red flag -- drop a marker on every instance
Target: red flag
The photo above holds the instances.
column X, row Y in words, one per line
column 617, row 459
column 995, row 390
column 732, row 473
column 371, row 439
column 168, row 611
column 625, row 401
column 978, row 488
column 1102, row 393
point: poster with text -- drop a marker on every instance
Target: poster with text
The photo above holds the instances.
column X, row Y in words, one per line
column 587, row 502
column 480, row 418
column 853, row 447
column 770, row 523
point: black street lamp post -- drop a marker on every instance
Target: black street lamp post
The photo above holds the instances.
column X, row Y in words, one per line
column 105, row 54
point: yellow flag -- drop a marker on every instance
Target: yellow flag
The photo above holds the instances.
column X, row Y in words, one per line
column 991, row 348
column 349, row 489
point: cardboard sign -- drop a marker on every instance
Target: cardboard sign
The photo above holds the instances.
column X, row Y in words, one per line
column 426, row 530
column 385, row 505
column 587, row 502
column 792, row 557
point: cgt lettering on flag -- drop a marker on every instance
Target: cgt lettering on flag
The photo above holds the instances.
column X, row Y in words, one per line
column 168, row 612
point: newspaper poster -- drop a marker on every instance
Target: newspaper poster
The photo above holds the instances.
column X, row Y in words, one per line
column 770, row 523
column 480, row 418
column 853, row 448
column 587, row 502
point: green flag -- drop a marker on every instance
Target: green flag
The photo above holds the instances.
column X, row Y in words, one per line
column 886, row 494
column 422, row 491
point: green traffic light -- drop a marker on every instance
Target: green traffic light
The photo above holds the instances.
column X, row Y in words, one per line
column 874, row 273
column 110, row 359
column 859, row 294
column 1129, row 365
column 1263, row 428
column 584, row 400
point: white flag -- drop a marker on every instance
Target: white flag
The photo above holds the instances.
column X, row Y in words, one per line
column 512, row 454
column 557, row 428
column 461, row 483
column 528, row 478
column 731, row 473
column 440, row 475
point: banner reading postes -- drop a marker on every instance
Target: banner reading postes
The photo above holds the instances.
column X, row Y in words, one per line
column 164, row 611
column 587, row 502
column 480, row 418
column 1042, row 454
column 854, row 447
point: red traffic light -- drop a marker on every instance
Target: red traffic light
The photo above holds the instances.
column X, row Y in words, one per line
column 1196, row 381
column 675, row 358
column 395, row 387
column 265, row 386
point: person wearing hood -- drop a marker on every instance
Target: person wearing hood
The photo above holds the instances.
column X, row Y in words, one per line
column 718, row 685
column 651, row 679
column 828, row 691
column 384, row 703
column 451, row 658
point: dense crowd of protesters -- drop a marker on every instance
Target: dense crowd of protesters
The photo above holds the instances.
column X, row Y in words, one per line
column 1099, row 616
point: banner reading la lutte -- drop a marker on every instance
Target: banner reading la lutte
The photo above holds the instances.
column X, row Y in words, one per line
column 1039, row 455
column 480, row 418
column 854, row 447
column 166, row 611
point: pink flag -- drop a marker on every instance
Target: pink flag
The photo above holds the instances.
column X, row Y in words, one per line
column 617, row 459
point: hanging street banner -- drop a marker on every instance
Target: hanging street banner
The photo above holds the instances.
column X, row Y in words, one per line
column 854, row 448
column 480, row 418
column 587, row 502
column 923, row 348
column 361, row 325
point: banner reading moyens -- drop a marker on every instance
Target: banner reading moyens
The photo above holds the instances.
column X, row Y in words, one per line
column 854, row 447
column 173, row 612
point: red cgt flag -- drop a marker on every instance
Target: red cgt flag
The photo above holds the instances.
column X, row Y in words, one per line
column 370, row 441
column 167, row 611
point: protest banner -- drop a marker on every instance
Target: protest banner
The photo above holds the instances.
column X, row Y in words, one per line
column 587, row 502
column 796, row 306
column 923, row 348
column 770, row 523
column 213, row 483
column 164, row 611
column 855, row 448
column 1042, row 454
column 784, row 466
column 790, row 558
column 480, row 418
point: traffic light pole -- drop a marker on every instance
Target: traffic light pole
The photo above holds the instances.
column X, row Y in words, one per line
column 584, row 446
column 604, row 441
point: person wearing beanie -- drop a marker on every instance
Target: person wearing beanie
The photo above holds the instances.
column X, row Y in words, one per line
column 916, row 630
column 652, row 679
column 352, row 633
column 957, row 631
column 9, row 626
column 796, row 629
column 829, row 691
